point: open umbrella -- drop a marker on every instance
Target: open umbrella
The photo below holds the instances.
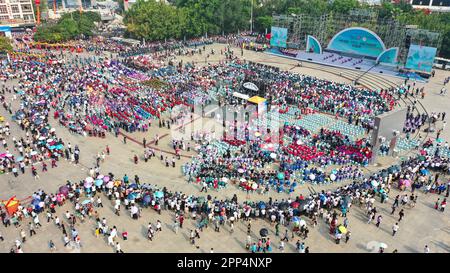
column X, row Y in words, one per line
column 147, row 198
column 110, row 185
column 131, row 196
column 87, row 201
column 295, row 205
column 264, row 232
column 87, row 184
column 283, row 205
column 342, row 229
column 98, row 182
column 100, row 176
column 89, row 179
column 280, row 175
column 424, row 171
column 20, row 158
column 106, row 178
column 302, row 222
column 159, row 194
column 406, row 182
column 64, row 190
column 33, row 153
column 383, row 245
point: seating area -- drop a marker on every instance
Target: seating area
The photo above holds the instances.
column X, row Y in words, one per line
column 353, row 132
column 222, row 147
column 404, row 144
column 442, row 152
column 314, row 122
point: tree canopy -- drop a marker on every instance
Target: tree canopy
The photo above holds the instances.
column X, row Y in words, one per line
column 5, row 44
column 193, row 18
column 69, row 26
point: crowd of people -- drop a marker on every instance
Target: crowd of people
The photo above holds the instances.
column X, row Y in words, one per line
column 93, row 96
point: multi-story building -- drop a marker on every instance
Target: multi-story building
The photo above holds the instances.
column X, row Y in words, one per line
column 433, row 5
column 16, row 12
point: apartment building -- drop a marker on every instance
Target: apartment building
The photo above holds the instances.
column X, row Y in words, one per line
column 433, row 5
column 16, row 12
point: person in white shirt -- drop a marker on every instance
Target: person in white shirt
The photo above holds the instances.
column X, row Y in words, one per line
column 427, row 249
column 66, row 240
column 158, row 226
column 395, row 228
column 110, row 240
column 118, row 248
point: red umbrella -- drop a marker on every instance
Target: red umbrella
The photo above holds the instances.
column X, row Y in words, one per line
column 295, row 205
column 268, row 36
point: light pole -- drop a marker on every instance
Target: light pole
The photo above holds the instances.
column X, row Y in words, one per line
column 251, row 17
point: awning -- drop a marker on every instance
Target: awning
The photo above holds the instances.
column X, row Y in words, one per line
column 256, row 99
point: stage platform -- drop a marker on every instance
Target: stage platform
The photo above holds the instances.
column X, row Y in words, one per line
column 340, row 61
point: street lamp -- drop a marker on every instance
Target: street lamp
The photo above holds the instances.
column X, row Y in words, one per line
column 251, row 17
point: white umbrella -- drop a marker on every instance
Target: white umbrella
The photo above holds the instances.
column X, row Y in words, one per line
column 312, row 176
column 332, row 176
column 89, row 179
column 110, row 185
column 49, row 140
column 273, row 155
column 100, row 176
column 241, row 170
column 254, row 186
column 302, row 222
column 383, row 245
column 33, row 153
column 242, row 179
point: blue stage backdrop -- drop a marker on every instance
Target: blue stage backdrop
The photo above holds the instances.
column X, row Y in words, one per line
column 389, row 57
column 278, row 37
column 358, row 41
column 420, row 58
column 313, row 45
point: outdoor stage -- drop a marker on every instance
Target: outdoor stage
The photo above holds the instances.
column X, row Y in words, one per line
column 337, row 60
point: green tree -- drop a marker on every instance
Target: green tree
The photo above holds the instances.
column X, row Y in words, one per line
column 5, row 44
column 344, row 6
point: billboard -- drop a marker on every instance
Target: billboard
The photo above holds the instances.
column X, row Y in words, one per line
column 359, row 41
column 278, row 37
column 420, row 58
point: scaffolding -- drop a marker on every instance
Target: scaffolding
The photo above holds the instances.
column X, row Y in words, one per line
column 324, row 27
